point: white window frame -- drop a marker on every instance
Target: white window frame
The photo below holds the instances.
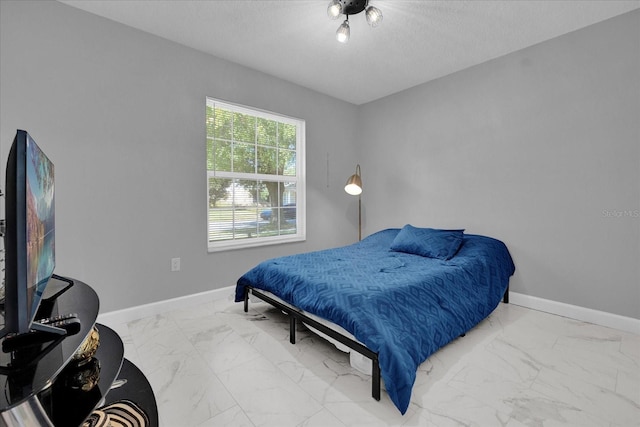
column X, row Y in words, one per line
column 299, row 179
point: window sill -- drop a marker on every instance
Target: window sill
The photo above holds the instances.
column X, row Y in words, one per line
column 252, row 243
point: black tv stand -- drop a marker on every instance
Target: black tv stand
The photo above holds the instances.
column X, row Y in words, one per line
column 40, row 387
column 69, row 281
column 24, row 356
column 33, row 338
column 46, row 303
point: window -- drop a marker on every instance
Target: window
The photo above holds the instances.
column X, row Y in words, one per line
column 255, row 177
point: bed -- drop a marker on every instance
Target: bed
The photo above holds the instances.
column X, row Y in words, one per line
column 400, row 294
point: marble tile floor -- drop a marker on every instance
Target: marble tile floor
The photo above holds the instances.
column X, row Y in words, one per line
column 214, row 365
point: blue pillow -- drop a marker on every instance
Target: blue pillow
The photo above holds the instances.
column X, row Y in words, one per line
column 428, row 242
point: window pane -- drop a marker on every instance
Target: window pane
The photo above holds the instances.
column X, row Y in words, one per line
column 245, row 224
column 269, row 193
column 245, row 194
column 210, row 122
column 287, row 219
column 244, row 128
column 220, row 224
column 219, row 195
column 221, row 156
column 263, row 195
column 223, row 124
column 289, row 213
column 288, row 163
column 287, row 136
column 267, row 160
column 210, row 154
column 244, row 158
column 288, row 194
column 246, row 208
column 267, row 132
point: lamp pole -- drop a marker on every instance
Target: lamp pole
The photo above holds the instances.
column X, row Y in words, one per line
column 359, row 218
column 354, row 187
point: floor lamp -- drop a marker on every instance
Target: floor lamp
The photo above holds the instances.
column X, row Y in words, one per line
column 354, row 187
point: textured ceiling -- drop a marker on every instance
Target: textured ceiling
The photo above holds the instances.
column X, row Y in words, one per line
column 417, row 41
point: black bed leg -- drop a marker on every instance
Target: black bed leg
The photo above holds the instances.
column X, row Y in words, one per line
column 292, row 328
column 375, row 379
column 505, row 298
column 246, row 300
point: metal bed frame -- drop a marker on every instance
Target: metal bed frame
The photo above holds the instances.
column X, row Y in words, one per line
column 295, row 313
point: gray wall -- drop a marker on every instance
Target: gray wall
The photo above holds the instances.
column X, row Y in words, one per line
column 539, row 148
column 121, row 114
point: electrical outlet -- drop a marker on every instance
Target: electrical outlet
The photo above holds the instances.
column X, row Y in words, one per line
column 175, row 264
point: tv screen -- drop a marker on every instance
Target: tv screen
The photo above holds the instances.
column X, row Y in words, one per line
column 30, row 231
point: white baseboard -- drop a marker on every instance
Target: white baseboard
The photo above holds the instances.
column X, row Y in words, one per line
column 151, row 309
column 628, row 324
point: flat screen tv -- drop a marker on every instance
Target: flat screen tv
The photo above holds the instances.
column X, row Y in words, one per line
column 30, row 232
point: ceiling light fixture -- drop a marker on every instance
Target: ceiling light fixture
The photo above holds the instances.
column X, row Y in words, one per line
column 352, row 7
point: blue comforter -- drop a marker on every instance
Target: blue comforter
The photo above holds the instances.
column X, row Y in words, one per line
column 402, row 306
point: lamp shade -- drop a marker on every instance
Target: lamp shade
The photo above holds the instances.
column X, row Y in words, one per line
column 334, row 10
column 354, row 183
column 344, row 32
column 374, row 16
